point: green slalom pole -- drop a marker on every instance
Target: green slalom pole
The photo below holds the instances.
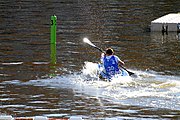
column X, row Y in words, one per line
column 53, row 39
column 53, row 54
column 53, row 29
column 53, row 46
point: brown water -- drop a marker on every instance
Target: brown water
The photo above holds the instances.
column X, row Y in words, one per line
column 27, row 85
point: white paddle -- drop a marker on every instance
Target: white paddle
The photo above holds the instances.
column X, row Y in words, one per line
column 86, row 40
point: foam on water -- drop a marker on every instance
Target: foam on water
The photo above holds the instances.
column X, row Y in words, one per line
column 148, row 89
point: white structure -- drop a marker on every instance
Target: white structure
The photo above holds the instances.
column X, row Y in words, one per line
column 40, row 118
column 8, row 117
column 170, row 22
column 111, row 119
column 75, row 118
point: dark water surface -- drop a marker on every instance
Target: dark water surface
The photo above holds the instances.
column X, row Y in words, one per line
column 27, row 85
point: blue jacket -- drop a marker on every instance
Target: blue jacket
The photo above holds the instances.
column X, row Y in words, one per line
column 111, row 66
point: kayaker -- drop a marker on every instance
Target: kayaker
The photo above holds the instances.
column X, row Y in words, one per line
column 111, row 64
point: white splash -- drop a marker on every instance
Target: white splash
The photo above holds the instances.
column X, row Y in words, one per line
column 148, row 89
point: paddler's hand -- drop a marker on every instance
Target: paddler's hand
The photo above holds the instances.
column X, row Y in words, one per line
column 102, row 55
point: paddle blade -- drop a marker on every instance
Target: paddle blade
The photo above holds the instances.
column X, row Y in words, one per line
column 86, row 40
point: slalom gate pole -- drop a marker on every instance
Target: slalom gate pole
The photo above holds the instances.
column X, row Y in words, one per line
column 53, row 29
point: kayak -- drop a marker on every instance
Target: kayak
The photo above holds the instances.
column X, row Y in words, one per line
column 103, row 75
column 96, row 70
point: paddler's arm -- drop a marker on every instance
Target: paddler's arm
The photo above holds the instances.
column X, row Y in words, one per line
column 120, row 63
column 102, row 57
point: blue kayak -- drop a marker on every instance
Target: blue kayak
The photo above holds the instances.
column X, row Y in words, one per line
column 103, row 75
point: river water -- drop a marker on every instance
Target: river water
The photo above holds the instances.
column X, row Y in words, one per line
column 34, row 81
